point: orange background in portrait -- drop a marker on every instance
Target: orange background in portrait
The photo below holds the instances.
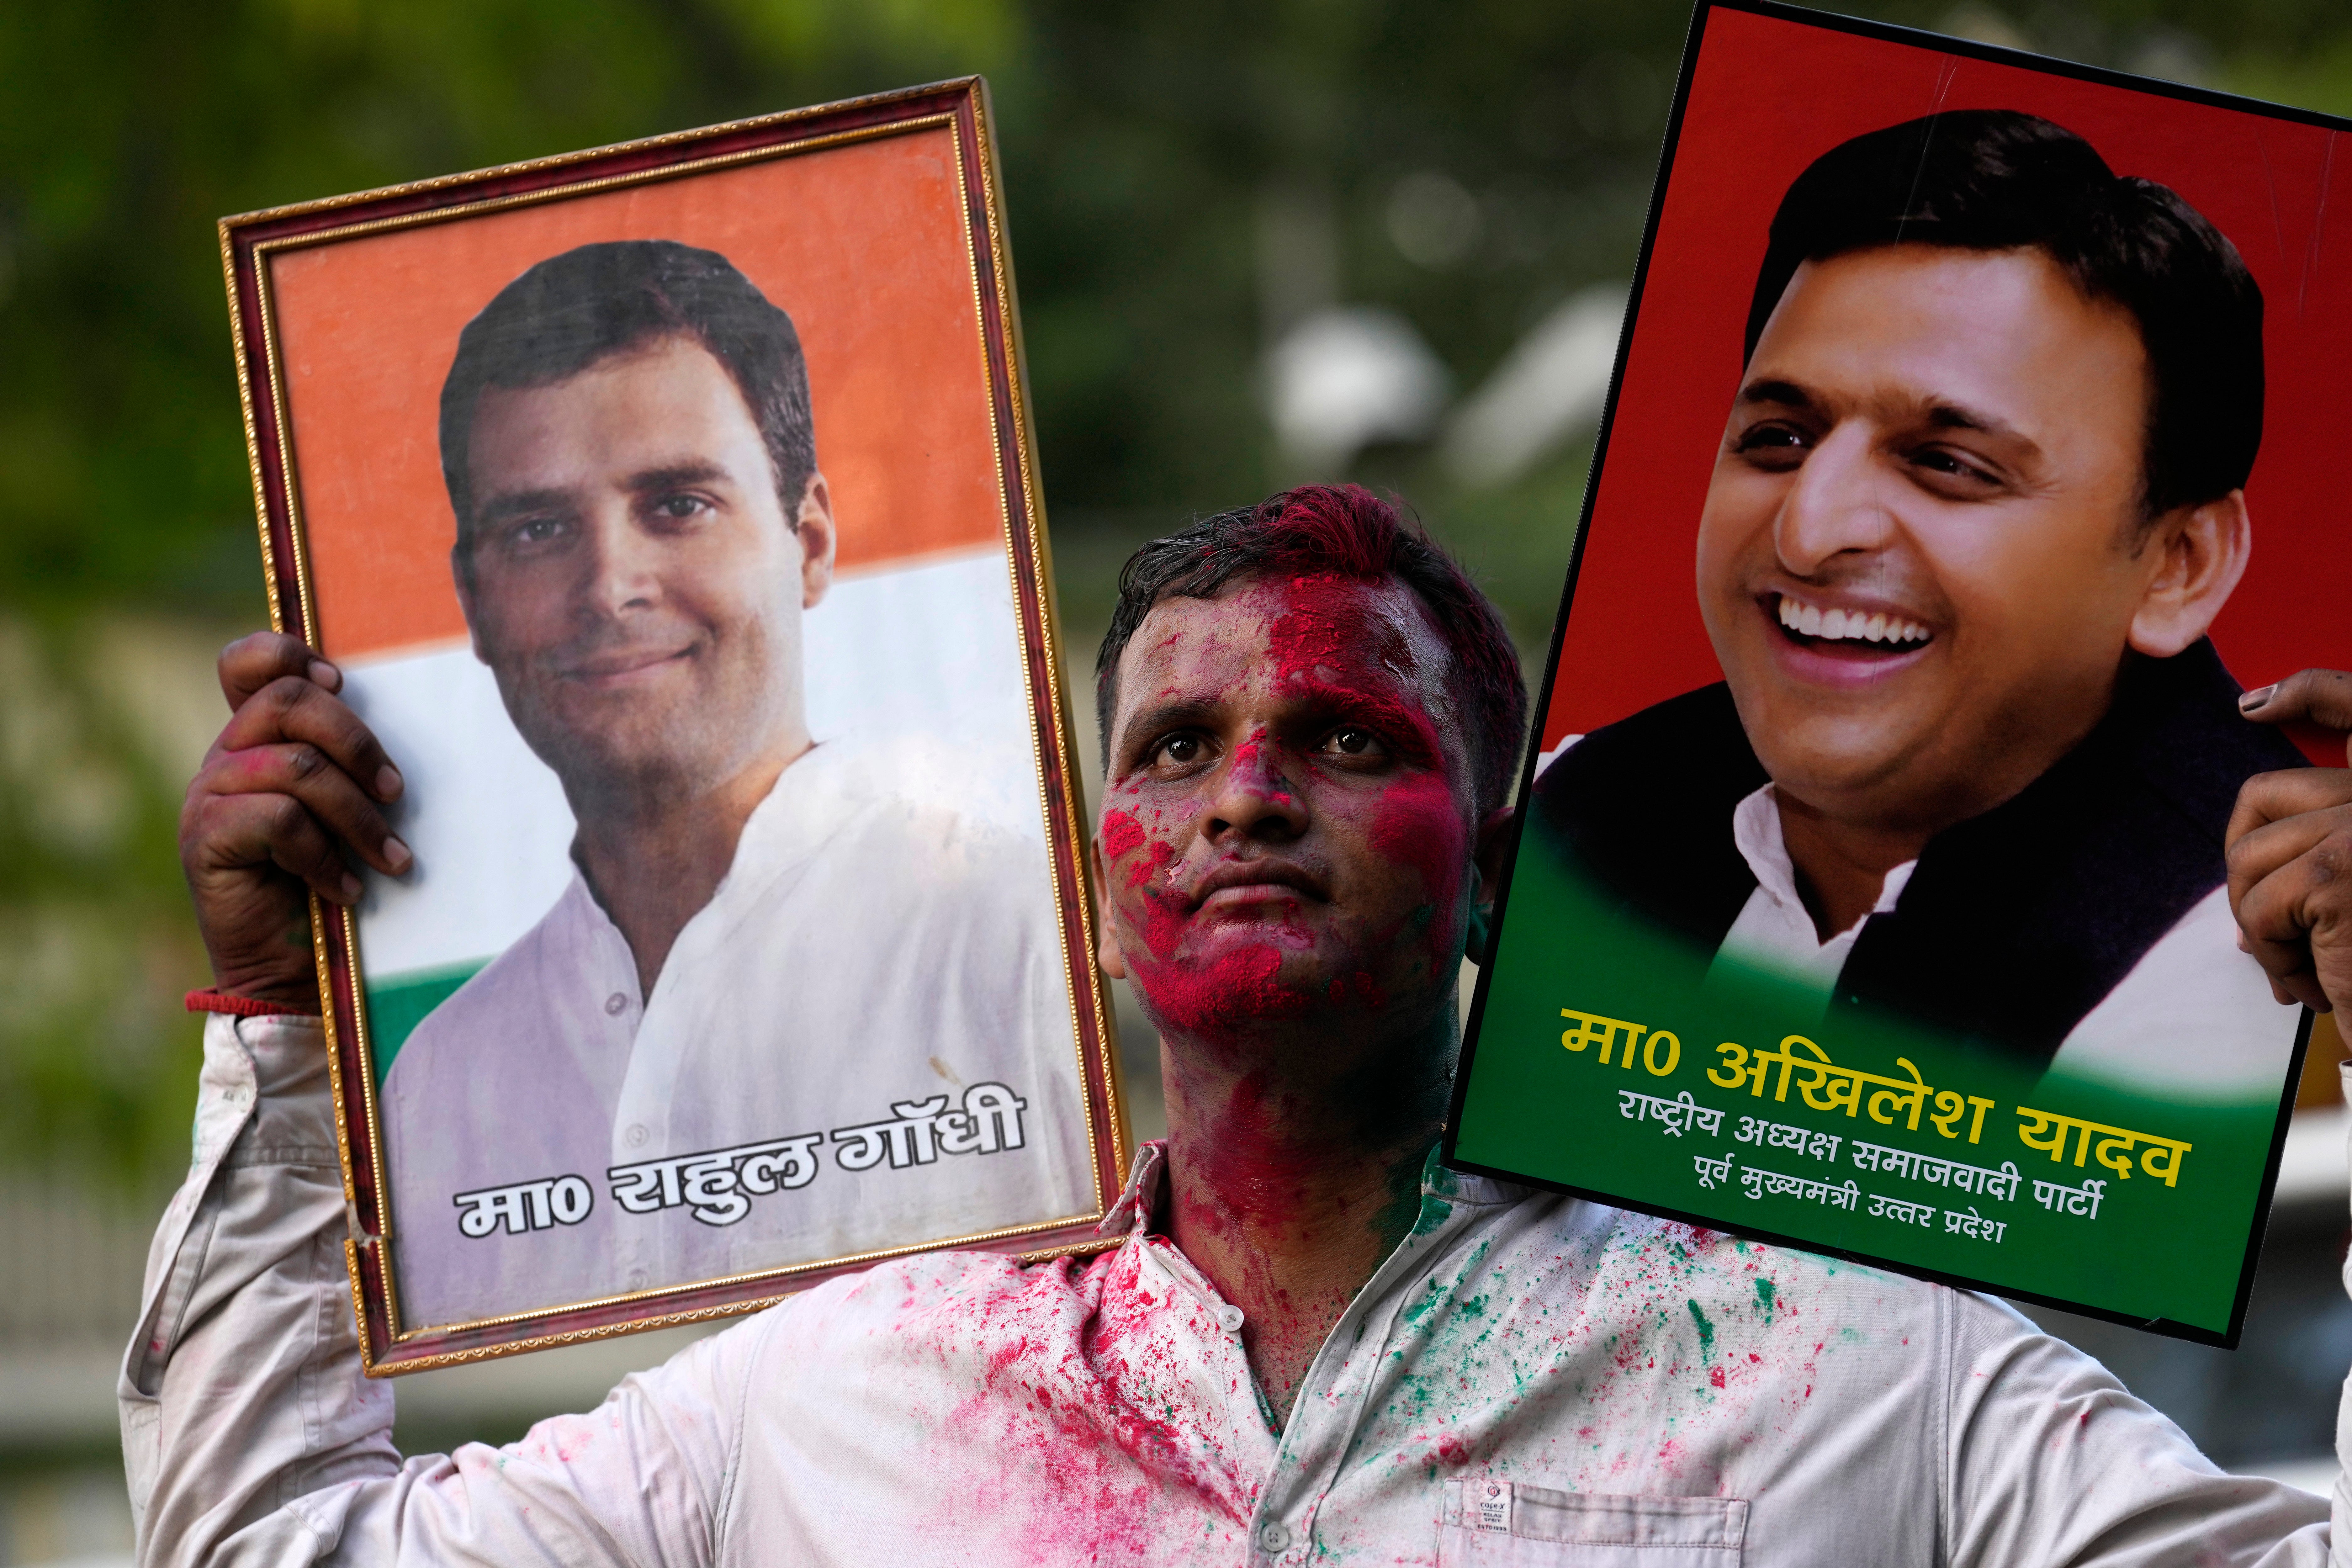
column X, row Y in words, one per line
column 1768, row 98
column 863, row 246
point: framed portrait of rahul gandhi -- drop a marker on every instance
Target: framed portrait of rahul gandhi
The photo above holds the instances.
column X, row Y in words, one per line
column 1971, row 458
column 672, row 511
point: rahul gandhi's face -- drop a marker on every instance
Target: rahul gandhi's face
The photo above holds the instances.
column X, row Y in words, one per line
column 1919, row 561
column 636, row 585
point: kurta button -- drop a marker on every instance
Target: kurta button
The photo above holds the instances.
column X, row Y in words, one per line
column 635, row 1136
column 615, row 1003
column 1273, row 1536
column 1229, row 1317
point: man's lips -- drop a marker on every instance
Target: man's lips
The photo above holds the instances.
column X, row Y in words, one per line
column 616, row 668
column 1842, row 639
column 1866, row 624
column 1242, row 882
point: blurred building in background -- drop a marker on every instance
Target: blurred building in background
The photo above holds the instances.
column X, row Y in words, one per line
column 1257, row 242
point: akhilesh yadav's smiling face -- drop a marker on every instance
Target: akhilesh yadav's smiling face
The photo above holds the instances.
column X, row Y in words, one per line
column 1923, row 553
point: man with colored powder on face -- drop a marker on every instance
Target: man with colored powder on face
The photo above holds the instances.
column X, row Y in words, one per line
column 768, row 934
column 1980, row 495
column 1311, row 1339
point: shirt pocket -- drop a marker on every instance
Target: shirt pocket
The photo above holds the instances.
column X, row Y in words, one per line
column 1493, row 1523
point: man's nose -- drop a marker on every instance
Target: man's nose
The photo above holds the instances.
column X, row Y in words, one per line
column 621, row 561
column 1837, row 503
column 1254, row 796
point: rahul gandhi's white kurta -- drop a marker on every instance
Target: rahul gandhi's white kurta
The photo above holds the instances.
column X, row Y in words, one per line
column 869, row 948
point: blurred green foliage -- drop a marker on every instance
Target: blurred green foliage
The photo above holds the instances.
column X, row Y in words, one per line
column 1148, row 148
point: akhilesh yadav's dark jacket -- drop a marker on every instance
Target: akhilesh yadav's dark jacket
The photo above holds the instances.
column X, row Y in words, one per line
column 2014, row 924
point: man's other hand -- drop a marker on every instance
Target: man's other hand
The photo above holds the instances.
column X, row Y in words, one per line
column 293, row 784
column 2290, row 851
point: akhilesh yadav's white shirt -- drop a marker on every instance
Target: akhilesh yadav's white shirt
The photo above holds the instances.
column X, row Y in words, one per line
column 2193, row 1017
column 872, row 960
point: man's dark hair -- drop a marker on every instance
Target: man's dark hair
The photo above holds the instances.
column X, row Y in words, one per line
column 1993, row 179
column 1342, row 530
column 590, row 303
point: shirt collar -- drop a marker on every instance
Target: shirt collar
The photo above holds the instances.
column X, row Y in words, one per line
column 1755, row 832
column 1146, row 1182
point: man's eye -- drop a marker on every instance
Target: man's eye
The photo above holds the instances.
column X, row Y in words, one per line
column 1772, row 444
column 1945, row 465
column 680, row 507
column 1350, row 742
column 537, row 529
column 1180, row 749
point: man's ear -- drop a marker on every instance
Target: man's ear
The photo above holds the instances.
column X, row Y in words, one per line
column 819, row 538
column 2201, row 552
column 1486, row 853
column 1108, row 952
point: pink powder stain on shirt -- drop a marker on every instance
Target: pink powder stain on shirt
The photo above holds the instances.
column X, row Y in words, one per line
column 1081, row 1372
column 562, row 1439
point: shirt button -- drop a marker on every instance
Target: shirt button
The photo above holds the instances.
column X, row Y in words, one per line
column 1229, row 1317
column 1273, row 1536
column 635, row 1136
column 615, row 1003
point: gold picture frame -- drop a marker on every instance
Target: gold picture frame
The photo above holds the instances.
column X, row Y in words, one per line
column 333, row 610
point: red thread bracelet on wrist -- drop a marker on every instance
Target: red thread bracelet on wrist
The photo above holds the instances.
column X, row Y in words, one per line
column 245, row 1007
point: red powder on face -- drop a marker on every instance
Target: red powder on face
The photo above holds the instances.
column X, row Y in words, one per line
column 1330, row 620
column 1333, row 624
column 1232, row 989
column 1338, row 653
column 1420, row 825
column 1121, row 834
column 1165, row 911
column 1140, row 873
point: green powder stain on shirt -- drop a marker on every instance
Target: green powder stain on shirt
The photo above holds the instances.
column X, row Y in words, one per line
column 1764, row 1297
column 1705, row 1333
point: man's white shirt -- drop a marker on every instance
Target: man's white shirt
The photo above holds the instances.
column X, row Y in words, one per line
column 870, row 947
column 1526, row 1380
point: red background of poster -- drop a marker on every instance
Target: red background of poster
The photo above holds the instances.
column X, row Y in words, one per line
column 1769, row 97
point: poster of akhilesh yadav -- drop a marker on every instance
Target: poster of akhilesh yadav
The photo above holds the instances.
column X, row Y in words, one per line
column 1975, row 445
column 671, row 511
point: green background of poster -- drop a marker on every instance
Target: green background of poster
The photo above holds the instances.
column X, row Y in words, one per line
column 1535, row 1109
